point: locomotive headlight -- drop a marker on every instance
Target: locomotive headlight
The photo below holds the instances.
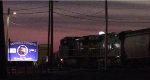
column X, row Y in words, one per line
column 117, row 45
column 109, row 46
column 61, row 60
column 117, row 56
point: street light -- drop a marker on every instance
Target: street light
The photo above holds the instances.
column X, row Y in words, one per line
column 14, row 13
column 7, row 29
column 8, row 17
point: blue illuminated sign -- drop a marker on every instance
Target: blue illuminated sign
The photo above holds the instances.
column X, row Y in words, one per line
column 22, row 51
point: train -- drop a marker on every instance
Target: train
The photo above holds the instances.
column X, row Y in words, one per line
column 124, row 48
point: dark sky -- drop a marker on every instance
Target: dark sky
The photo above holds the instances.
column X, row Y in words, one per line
column 74, row 18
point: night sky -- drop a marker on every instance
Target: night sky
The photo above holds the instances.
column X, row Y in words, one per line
column 74, row 18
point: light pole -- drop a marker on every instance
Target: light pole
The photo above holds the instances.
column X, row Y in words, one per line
column 7, row 30
column 106, row 34
column 50, row 35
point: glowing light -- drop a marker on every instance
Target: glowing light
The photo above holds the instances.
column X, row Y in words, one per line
column 14, row 13
column 103, row 45
column 101, row 32
column 61, row 60
column 76, row 39
column 117, row 56
column 110, row 47
column 117, row 45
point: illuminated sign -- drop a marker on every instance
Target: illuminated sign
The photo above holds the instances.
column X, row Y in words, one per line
column 22, row 51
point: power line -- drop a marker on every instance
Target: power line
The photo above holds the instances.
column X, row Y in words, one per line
column 139, row 22
column 117, row 20
column 30, row 8
column 34, row 12
column 110, row 19
column 80, row 13
column 125, row 19
column 74, row 16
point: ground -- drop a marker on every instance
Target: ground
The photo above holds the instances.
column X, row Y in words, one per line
column 85, row 75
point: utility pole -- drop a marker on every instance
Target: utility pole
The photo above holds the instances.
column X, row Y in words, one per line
column 3, row 44
column 106, row 34
column 50, row 35
column 51, row 20
column 7, row 31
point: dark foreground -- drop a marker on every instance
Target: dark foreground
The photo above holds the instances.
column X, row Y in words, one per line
column 85, row 75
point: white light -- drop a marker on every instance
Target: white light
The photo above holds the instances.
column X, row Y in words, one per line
column 61, row 60
column 101, row 32
column 77, row 39
column 104, row 45
column 110, row 47
column 14, row 13
column 117, row 56
column 81, row 48
column 117, row 45
column 46, row 58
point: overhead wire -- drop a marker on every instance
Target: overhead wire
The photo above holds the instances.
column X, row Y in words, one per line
column 118, row 20
column 80, row 13
column 74, row 16
column 98, row 19
column 34, row 12
column 30, row 8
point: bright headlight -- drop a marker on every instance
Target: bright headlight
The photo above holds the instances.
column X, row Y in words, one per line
column 117, row 45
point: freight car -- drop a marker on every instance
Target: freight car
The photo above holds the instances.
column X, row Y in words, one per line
column 135, row 46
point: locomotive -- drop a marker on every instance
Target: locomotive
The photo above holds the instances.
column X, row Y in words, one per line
column 89, row 51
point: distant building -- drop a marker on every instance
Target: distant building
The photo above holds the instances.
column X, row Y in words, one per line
column 42, row 53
